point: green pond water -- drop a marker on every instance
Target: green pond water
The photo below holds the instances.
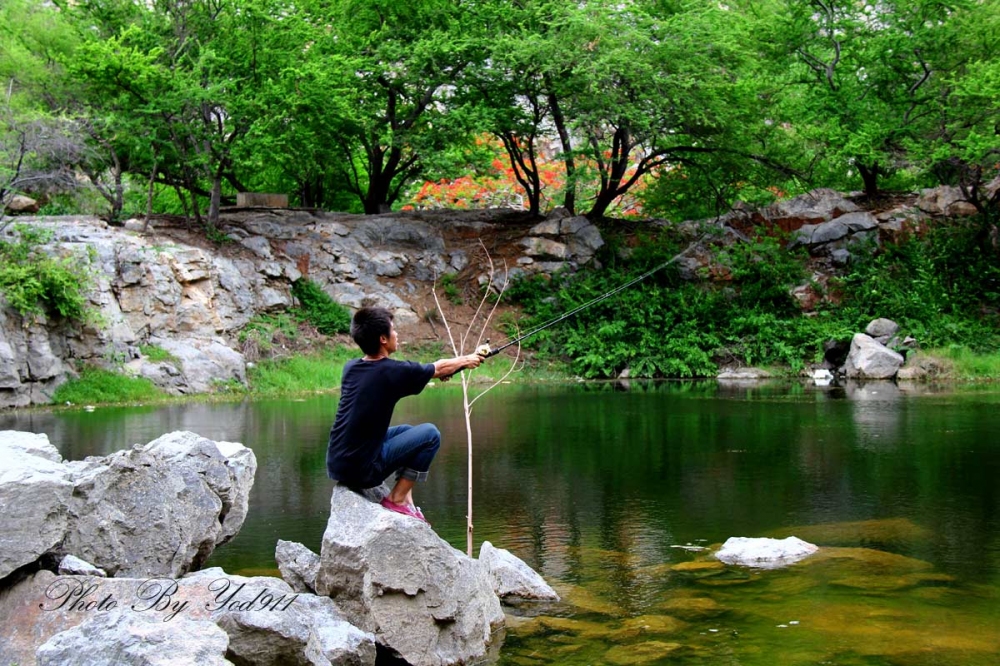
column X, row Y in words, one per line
column 605, row 490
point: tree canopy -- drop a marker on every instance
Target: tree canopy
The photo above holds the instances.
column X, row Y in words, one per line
column 684, row 105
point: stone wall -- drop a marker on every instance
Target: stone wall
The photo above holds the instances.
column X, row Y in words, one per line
column 176, row 291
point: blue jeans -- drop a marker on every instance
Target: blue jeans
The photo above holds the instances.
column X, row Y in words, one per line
column 408, row 451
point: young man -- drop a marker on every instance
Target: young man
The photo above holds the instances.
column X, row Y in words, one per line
column 363, row 450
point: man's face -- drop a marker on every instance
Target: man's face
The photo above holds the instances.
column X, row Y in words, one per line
column 392, row 341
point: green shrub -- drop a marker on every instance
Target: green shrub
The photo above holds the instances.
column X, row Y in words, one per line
column 316, row 307
column 450, row 289
column 158, row 354
column 95, row 385
column 34, row 283
column 941, row 289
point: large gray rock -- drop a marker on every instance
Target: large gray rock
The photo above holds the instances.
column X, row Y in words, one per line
column 511, row 577
column 264, row 621
column 204, row 363
column 159, row 509
column 35, row 489
column 125, row 638
column 815, row 206
column 869, row 359
column 392, row 575
column 268, row 624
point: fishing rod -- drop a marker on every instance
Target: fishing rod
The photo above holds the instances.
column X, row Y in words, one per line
column 486, row 351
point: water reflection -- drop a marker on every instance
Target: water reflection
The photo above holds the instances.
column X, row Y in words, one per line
column 594, row 485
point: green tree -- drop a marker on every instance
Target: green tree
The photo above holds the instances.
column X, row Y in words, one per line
column 387, row 71
column 862, row 80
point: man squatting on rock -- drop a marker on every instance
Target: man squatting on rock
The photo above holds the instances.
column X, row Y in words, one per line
column 363, row 450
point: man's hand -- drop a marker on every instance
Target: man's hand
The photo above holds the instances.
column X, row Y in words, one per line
column 445, row 368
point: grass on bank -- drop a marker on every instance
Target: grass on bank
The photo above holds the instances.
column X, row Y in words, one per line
column 99, row 386
column 963, row 364
column 320, row 372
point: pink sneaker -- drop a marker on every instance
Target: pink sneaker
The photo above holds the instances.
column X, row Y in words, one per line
column 404, row 509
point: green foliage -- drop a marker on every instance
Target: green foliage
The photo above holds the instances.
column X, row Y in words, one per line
column 35, row 283
column 668, row 327
column 942, row 289
column 266, row 331
column 966, row 364
column 300, row 373
column 316, row 307
column 450, row 289
column 95, row 385
column 158, row 354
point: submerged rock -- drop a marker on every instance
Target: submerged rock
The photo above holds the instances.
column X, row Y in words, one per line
column 887, row 533
column 641, row 653
column 693, row 608
column 764, row 553
column 392, row 575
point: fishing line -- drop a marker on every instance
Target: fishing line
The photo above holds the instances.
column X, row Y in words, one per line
column 552, row 322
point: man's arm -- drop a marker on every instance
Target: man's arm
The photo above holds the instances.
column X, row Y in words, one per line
column 446, row 367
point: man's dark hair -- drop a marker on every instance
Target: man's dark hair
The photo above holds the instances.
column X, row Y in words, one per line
column 368, row 325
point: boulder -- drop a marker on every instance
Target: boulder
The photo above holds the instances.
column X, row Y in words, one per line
column 269, row 624
column 743, row 374
column 869, row 359
column 298, row 565
column 35, row 490
column 544, row 248
column 124, row 638
column 204, row 363
column 20, row 204
column 158, row 509
column 392, row 575
column 764, row 553
column 840, row 228
column 945, row 200
column 263, row 620
column 511, row 577
column 882, row 328
column 814, row 207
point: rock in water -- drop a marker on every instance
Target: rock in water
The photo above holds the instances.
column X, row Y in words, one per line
column 511, row 577
column 159, row 509
column 869, row 359
column 392, row 575
column 764, row 553
column 35, row 488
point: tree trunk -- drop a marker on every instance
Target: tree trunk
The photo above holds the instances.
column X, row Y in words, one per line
column 149, row 196
column 118, row 203
column 215, row 201
column 869, row 176
column 602, row 202
column 569, row 199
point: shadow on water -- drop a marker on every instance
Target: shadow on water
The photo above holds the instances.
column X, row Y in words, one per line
column 611, row 489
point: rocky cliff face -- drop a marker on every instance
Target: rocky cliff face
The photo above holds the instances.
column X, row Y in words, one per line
column 172, row 289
